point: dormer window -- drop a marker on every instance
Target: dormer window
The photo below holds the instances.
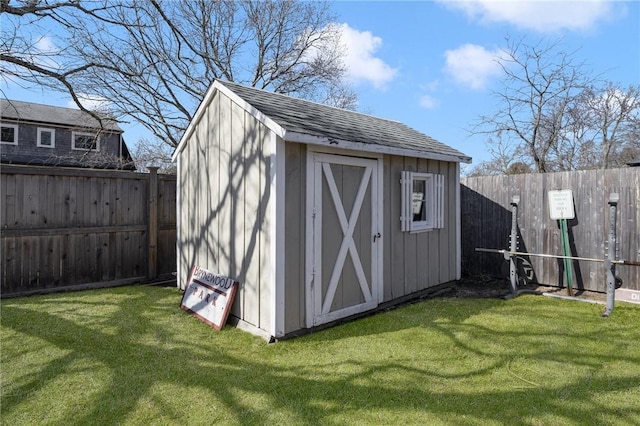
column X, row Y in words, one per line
column 9, row 134
column 46, row 137
column 85, row 142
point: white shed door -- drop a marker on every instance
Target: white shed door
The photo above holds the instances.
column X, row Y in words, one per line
column 344, row 210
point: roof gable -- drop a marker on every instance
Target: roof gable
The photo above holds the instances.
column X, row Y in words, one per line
column 303, row 121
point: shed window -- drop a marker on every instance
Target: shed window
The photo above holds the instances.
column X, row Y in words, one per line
column 85, row 142
column 422, row 201
column 9, row 134
column 46, row 137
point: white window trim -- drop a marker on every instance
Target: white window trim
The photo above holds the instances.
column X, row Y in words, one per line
column 434, row 195
column 15, row 134
column 53, row 137
column 92, row 135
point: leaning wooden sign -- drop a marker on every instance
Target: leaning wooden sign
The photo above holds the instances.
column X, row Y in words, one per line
column 209, row 296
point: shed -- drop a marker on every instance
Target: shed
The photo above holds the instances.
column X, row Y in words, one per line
column 320, row 213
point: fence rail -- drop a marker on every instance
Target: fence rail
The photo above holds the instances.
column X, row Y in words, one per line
column 486, row 223
column 80, row 228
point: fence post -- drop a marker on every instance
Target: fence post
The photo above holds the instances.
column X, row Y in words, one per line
column 610, row 268
column 152, row 249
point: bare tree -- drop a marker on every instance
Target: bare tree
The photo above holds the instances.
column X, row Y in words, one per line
column 540, row 83
column 154, row 59
column 556, row 116
column 23, row 59
column 505, row 159
column 601, row 130
column 150, row 153
column 612, row 116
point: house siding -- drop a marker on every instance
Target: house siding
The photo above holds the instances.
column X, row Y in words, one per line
column 224, row 220
column 28, row 152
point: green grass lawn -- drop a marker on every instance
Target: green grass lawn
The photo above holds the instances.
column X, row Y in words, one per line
column 130, row 356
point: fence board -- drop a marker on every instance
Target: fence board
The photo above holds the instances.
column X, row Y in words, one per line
column 79, row 228
column 486, row 219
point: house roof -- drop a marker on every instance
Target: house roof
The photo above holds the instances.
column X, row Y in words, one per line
column 54, row 115
column 309, row 122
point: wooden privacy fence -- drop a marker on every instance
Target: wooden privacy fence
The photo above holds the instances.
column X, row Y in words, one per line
column 81, row 228
column 486, row 223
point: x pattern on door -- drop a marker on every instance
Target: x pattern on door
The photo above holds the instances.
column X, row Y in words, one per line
column 347, row 236
column 321, row 293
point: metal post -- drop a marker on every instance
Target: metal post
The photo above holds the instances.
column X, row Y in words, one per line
column 610, row 268
column 513, row 245
column 566, row 251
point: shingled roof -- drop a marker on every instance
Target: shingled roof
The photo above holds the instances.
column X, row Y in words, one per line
column 311, row 122
column 37, row 113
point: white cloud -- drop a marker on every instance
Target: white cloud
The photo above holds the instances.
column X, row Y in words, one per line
column 45, row 45
column 91, row 102
column 472, row 65
column 45, row 53
column 541, row 16
column 428, row 102
column 431, row 86
column 360, row 60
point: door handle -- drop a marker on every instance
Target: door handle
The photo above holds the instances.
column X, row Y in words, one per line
column 376, row 236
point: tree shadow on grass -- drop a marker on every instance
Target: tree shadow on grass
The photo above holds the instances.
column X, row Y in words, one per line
column 311, row 380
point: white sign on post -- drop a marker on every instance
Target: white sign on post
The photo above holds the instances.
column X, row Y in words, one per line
column 561, row 205
column 209, row 296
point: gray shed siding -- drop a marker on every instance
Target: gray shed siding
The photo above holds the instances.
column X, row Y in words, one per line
column 412, row 262
column 223, row 211
column 295, row 230
column 416, row 261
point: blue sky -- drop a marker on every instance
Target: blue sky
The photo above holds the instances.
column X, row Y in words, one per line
column 431, row 64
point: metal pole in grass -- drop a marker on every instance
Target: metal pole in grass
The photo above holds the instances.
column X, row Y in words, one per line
column 561, row 208
column 610, row 267
column 566, row 251
column 513, row 245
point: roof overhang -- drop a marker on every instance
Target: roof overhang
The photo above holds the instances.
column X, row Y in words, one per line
column 303, row 138
column 373, row 148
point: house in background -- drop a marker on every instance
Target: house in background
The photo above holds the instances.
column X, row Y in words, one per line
column 43, row 135
column 319, row 213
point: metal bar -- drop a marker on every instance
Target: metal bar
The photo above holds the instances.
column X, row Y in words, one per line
column 577, row 299
column 554, row 256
